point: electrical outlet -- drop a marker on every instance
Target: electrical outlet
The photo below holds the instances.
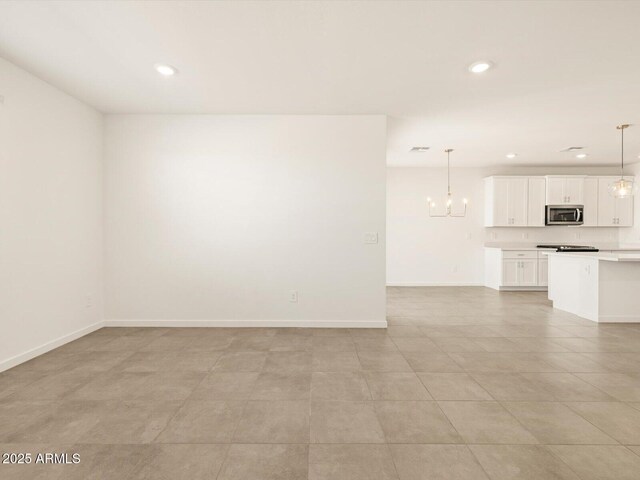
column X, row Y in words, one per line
column 525, row 236
column 468, row 236
column 455, row 269
column 371, row 237
column 293, row 296
column 88, row 301
column 494, row 235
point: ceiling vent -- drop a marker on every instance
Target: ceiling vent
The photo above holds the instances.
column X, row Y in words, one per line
column 571, row 149
column 419, row 149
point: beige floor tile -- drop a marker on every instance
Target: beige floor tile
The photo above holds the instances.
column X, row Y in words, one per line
column 226, row 386
column 288, row 362
column 335, row 362
column 417, row 344
column 241, row 362
column 453, row 386
column 521, row 462
column 265, row 462
column 282, row 386
column 11, row 382
column 339, row 386
column 457, row 345
column 256, row 343
column 432, row 362
column 291, row 343
column 16, row 414
column 169, row 362
column 345, row 422
column 383, row 361
column 574, row 362
column 621, row 386
column 600, row 462
column 396, row 386
column 511, row 386
column 182, row 462
column 555, row 423
column 376, row 344
column 56, row 386
column 273, row 422
column 130, row 422
column 617, row 420
column 199, row 421
column 566, row 387
column 502, row 362
column 486, row 422
column 107, row 462
column 436, row 462
column 415, row 422
column 333, row 344
column 351, row 462
column 617, row 362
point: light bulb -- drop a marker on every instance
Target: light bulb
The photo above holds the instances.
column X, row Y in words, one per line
column 464, row 200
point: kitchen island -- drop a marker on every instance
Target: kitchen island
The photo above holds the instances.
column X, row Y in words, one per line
column 599, row 286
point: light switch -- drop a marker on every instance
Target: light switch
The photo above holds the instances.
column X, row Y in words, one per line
column 371, row 237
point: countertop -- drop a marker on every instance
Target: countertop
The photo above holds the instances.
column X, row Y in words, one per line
column 602, row 256
column 606, row 247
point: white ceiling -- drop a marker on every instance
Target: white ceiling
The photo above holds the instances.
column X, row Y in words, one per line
column 566, row 72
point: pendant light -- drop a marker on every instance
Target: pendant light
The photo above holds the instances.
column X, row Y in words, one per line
column 622, row 188
column 448, row 212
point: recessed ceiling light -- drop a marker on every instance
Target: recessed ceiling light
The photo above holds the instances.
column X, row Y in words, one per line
column 480, row 67
column 512, row 155
column 165, row 70
column 581, row 155
column 419, row 149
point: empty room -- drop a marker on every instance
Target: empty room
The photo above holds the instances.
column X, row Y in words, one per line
column 319, row 240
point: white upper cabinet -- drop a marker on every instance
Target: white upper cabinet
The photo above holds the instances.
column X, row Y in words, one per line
column 536, row 202
column 613, row 212
column 565, row 190
column 506, row 201
column 590, row 202
column 512, row 201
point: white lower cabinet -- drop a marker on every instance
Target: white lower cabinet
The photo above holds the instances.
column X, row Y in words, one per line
column 515, row 269
column 543, row 270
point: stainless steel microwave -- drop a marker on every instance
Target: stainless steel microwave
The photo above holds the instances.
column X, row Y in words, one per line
column 564, row 215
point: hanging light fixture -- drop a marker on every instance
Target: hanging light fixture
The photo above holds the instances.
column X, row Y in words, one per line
column 622, row 188
column 448, row 212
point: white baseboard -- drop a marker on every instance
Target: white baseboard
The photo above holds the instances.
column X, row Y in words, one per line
column 248, row 323
column 433, row 284
column 58, row 342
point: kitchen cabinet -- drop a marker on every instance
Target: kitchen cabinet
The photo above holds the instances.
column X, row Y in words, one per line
column 515, row 269
column 506, row 201
column 565, row 190
column 613, row 212
column 536, row 202
column 543, row 270
column 591, row 197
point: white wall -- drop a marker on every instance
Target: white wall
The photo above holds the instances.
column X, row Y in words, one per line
column 422, row 250
column 50, row 216
column 216, row 218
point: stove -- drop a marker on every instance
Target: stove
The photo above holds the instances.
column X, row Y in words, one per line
column 570, row 248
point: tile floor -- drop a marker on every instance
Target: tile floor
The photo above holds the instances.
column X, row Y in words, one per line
column 465, row 384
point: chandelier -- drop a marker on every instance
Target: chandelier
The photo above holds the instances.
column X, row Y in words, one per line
column 622, row 188
column 448, row 212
